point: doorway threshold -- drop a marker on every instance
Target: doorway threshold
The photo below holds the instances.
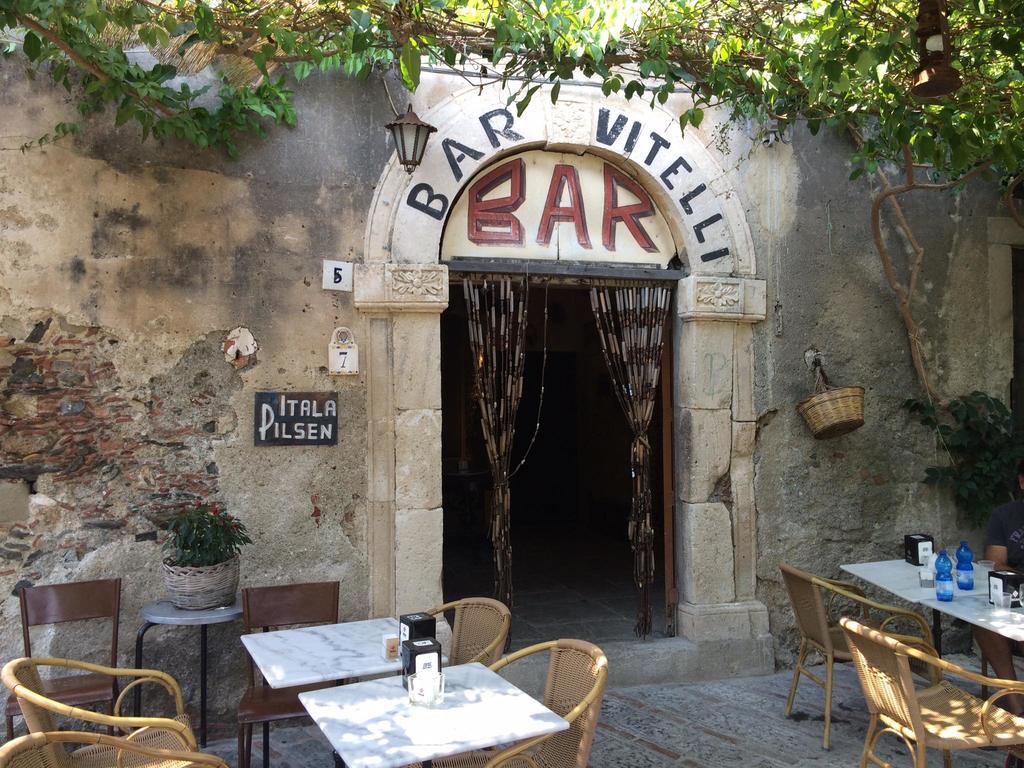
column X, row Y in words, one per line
column 664, row 660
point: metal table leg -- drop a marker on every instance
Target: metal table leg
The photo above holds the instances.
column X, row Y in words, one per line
column 139, row 637
column 202, row 685
column 937, row 630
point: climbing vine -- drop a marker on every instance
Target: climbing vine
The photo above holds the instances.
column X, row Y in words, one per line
column 977, row 431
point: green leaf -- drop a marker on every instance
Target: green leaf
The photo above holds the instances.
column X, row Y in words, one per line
column 866, row 62
column 524, row 102
column 32, row 45
column 409, row 62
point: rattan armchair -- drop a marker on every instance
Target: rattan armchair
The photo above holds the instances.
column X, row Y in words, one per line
column 939, row 716
column 815, row 600
column 577, row 674
column 479, row 631
column 47, row 750
column 22, row 677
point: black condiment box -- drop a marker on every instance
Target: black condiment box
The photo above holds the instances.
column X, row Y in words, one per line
column 418, row 655
column 1008, row 584
column 917, row 548
column 414, row 626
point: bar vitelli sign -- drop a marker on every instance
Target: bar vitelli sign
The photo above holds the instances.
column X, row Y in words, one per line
column 296, row 418
column 552, row 206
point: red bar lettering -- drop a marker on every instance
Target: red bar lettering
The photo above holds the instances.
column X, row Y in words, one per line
column 490, row 222
column 629, row 215
column 562, row 177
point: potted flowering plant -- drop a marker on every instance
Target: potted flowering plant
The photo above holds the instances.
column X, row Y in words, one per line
column 201, row 564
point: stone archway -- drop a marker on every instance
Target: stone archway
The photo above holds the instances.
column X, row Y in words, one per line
column 403, row 288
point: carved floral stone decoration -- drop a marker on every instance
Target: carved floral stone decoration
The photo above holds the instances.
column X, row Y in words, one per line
column 415, row 281
column 718, row 295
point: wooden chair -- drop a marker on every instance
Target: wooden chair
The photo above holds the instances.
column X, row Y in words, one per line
column 940, row 715
column 266, row 608
column 59, row 603
column 47, row 750
column 577, row 674
column 813, row 599
column 22, row 677
column 479, row 631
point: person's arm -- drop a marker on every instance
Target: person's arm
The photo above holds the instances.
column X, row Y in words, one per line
column 995, row 540
column 997, row 555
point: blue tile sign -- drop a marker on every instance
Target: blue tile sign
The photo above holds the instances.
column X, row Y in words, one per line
column 296, row 418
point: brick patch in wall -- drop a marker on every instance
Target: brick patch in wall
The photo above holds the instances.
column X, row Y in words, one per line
column 117, row 460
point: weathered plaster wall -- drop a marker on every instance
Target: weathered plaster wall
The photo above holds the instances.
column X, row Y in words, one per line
column 122, row 267
column 823, row 503
column 141, row 258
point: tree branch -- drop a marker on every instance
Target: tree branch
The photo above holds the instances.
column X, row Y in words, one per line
column 83, row 63
column 905, row 292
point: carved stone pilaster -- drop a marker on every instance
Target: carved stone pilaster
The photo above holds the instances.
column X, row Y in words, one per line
column 392, row 288
column 734, row 299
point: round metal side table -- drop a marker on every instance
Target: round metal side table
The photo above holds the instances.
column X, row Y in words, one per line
column 164, row 612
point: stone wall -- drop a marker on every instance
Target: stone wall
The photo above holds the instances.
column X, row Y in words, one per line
column 824, row 503
column 122, row 268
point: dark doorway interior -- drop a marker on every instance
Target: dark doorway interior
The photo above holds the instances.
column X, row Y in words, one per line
column 571, row 562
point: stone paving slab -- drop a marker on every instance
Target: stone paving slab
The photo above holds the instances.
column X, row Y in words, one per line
column 720, row 723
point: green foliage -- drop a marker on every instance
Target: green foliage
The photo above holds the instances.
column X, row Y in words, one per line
column 831, row 63
column 204, row 535
column 978, row 433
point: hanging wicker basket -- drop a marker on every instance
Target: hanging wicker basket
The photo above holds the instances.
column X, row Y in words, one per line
column 832, row 411
column 209, row 586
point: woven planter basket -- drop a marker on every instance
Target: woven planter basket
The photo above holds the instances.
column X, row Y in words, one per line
column 209, row 586
column 832, row 411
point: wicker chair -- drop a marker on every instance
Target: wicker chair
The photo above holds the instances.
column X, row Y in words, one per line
column 939, row 716
column 47, row 750
column 577, row 673
column 813, row 599
column 479, row 631
column 22, row 677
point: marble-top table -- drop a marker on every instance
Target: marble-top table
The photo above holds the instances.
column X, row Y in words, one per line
column 320, row 654
column 901, row 579
column 372, row 724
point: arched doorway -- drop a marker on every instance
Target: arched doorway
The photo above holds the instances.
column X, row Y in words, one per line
column 402, row 287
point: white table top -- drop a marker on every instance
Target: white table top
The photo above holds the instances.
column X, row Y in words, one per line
column 373, row 725
column 319, row 654
column 900, row 578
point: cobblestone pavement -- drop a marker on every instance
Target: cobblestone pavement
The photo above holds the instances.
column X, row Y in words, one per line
column 721, row 723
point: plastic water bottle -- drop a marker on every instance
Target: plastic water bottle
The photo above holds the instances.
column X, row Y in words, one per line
column 943, row 577
column 964, row 567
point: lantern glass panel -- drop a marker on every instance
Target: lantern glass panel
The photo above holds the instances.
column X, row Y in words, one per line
column 408, row 152
column 421, row 143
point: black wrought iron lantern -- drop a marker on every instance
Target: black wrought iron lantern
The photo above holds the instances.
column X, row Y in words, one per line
column 410, row 135
column 934, row 75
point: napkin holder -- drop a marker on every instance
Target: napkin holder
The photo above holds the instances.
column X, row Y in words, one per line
column 416, row 626
column 419, row 656
column 1004, row 588
column 917, row 548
